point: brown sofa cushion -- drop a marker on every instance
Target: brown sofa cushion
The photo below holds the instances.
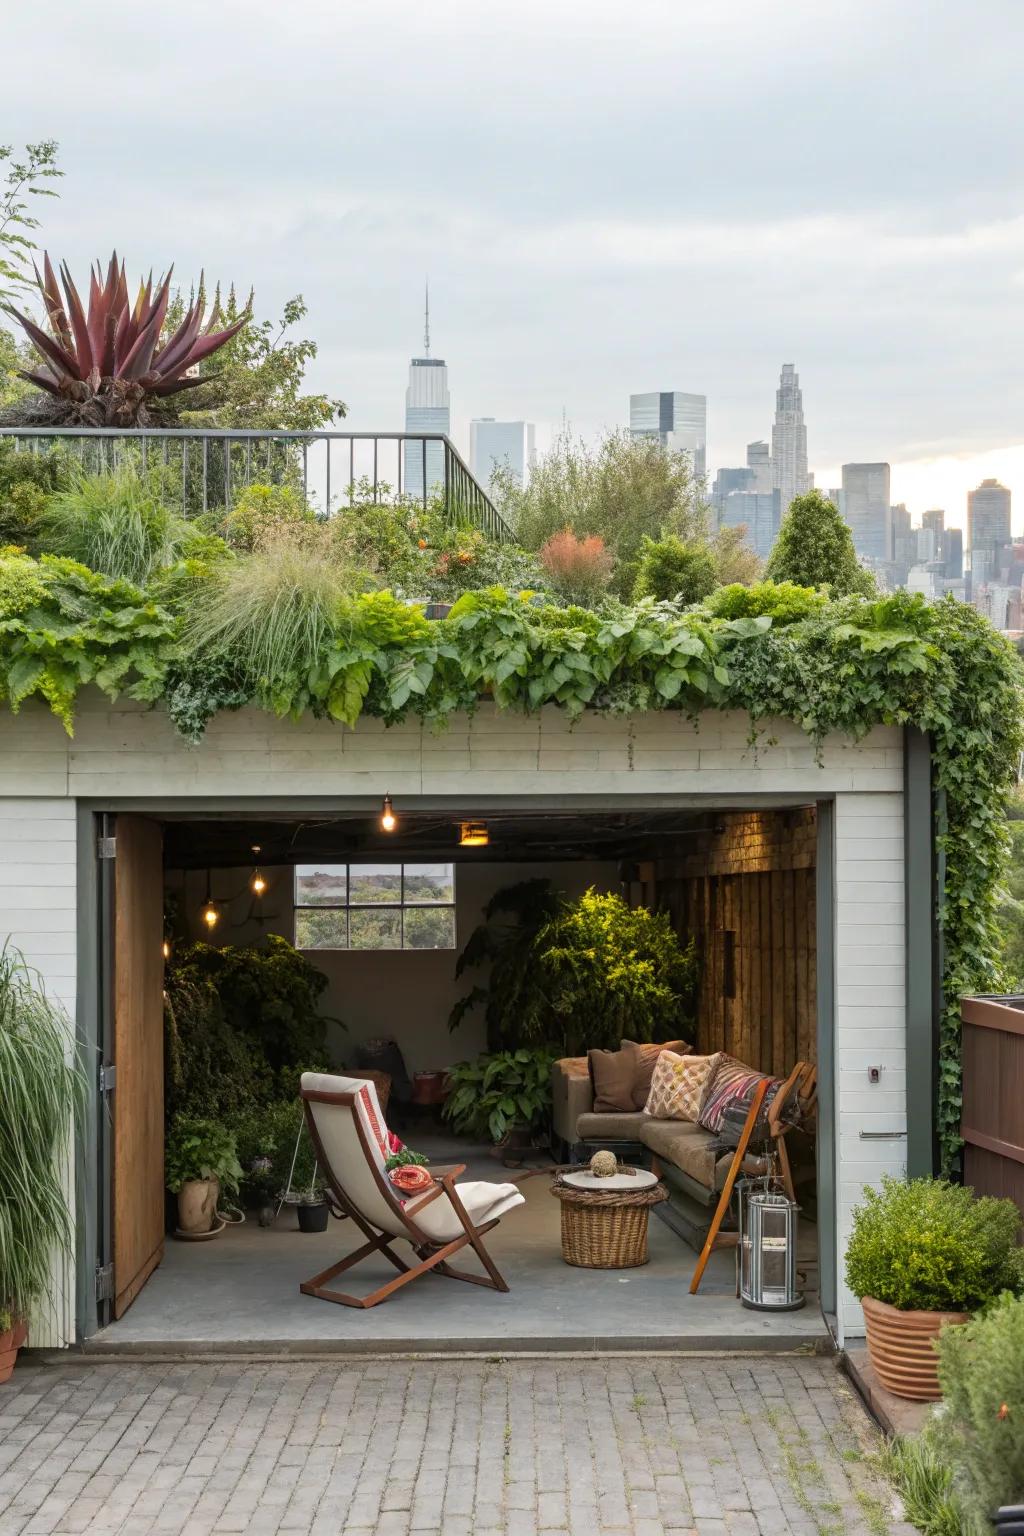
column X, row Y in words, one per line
column 612, row 1074
column 616, row 1126
column 645, row 1059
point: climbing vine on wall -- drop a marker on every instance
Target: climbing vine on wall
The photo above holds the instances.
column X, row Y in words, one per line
column 840, row 666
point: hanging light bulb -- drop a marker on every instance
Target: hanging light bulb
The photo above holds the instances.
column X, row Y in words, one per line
column 210, row 915
column 167, row 949
column 257, row 884
column 388, row 819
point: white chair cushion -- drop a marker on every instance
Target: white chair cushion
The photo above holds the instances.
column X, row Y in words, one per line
column 483, row 1202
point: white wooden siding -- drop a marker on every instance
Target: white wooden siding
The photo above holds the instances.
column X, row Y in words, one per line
column 38, row 898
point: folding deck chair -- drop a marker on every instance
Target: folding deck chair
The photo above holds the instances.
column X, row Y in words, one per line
column 350, row 1139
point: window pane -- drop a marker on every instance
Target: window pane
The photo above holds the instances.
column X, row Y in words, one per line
column 429, row 882
column 370, row 929
column 375, row 882
column 326, row 929
column 430, row 928
column 320, row 885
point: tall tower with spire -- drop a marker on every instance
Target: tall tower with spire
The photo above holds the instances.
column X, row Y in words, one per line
column 789, row 440
column 427, row 409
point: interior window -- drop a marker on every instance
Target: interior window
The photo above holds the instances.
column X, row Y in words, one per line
column 375, row 906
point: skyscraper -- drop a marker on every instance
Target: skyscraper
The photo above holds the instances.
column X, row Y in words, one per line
column 988, row 521
column 678, row 421
column 745, row 498
column 496, row 443
column 789, row 439
column 427, row 409
column 867, row 510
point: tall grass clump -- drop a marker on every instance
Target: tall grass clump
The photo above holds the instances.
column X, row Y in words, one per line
column 924, row 1482
column 275, row 611
column 117, row 524
column 43, row 1088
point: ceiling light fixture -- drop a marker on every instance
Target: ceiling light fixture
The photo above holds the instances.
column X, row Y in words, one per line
column 473, row 834
column 388, row 819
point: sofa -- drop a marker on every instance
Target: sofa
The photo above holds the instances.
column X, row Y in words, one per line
column 691, row 1161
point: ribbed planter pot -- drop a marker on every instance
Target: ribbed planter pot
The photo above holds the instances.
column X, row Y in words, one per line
column 10, row 1343
column 901, row 1347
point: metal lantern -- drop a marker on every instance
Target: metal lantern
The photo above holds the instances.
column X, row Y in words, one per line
column 767, row 1249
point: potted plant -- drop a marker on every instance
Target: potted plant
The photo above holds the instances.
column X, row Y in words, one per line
column 923, row 1255
column 312, row 1209
column 44, row 1087
column 506, row 1097
column 200, row 1160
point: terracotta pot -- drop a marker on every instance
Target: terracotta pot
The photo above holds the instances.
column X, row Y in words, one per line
column 197, row 1205
column 901, row 1347
column 10, row 1343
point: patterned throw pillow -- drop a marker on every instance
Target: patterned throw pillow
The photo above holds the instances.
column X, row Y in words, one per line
column 645, row 1058
column 729, row 1092
column 678, row 1085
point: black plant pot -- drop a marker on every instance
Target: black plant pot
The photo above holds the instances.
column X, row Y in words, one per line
column 313, row 1218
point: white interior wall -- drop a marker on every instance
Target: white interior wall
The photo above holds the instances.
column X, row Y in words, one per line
column 407, row 994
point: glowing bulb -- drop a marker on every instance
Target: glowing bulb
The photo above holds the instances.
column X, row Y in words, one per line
column 388, row 819
column 258, row 884
column 211, row 917
column 167, row 949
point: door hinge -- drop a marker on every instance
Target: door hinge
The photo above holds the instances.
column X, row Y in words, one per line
column 105, row 1282
column 108, row 1078
column 106, row 847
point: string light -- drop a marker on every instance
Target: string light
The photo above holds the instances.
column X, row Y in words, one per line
column 257, row 884
column 210, row 915
column 388, row 819
column 167, row 949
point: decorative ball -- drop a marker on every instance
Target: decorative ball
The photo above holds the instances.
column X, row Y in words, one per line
column 603, row 1165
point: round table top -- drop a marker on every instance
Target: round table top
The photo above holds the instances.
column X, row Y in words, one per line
column 640, row 1178
column 596, row 1192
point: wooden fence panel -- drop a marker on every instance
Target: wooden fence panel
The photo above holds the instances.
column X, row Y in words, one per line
column 993, row 1111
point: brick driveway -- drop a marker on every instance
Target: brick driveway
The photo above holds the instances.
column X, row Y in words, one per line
column 724, row 1447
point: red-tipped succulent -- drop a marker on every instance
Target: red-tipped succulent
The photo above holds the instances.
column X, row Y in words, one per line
column 106, row 367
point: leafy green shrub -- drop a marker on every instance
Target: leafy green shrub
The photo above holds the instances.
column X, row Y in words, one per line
column 493, row 1094
column 672, row 571
column 980, row 1429
column 930, row 1246
column 782, row 601
column 63, row 626
column 583, row 973
column 117, row 524
column 612, row 970
column 44, row 1089
column 464, row 560
column 260, row 510
column 924, row 1481
column 26, row 482
column 200, row 1149
column 270, row 1132
column 815, row 549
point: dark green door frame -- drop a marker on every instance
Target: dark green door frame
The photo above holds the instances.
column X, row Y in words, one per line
column 923, row 951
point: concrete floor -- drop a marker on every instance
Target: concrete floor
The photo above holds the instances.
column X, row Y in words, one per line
column 241, row 1291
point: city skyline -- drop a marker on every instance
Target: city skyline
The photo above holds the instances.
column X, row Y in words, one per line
column 885, row 262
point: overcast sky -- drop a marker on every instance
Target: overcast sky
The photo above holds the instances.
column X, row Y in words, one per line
column 664, row 194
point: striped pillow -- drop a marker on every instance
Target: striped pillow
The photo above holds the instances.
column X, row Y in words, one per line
column 732, row 1087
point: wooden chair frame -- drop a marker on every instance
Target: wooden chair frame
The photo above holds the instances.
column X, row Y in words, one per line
column 431, row 1254
column 803, row 1081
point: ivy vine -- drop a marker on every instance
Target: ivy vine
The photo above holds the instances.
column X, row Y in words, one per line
column 832, row 667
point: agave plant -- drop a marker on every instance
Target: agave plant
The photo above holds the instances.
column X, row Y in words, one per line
column 107, row 367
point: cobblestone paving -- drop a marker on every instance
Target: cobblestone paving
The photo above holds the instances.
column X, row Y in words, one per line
column 722, row 1447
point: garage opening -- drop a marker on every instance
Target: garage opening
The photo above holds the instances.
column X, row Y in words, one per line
column 243, row 948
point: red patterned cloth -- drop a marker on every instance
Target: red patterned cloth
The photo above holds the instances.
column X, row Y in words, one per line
column 732, row 1088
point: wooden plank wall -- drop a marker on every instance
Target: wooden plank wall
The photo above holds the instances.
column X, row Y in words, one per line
column 748, row 899
column 993, row 1112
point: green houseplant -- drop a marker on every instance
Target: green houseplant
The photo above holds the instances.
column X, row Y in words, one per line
column 200, row 1160
column 44, row 1087
column 499, row 1095
column 923, row 1255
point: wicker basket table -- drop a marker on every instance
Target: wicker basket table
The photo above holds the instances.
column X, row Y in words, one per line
column 606, row 1229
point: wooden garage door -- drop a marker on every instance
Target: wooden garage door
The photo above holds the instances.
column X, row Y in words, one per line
column 138, row 1099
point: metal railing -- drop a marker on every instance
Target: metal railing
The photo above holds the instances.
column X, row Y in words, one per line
column 332, row 469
